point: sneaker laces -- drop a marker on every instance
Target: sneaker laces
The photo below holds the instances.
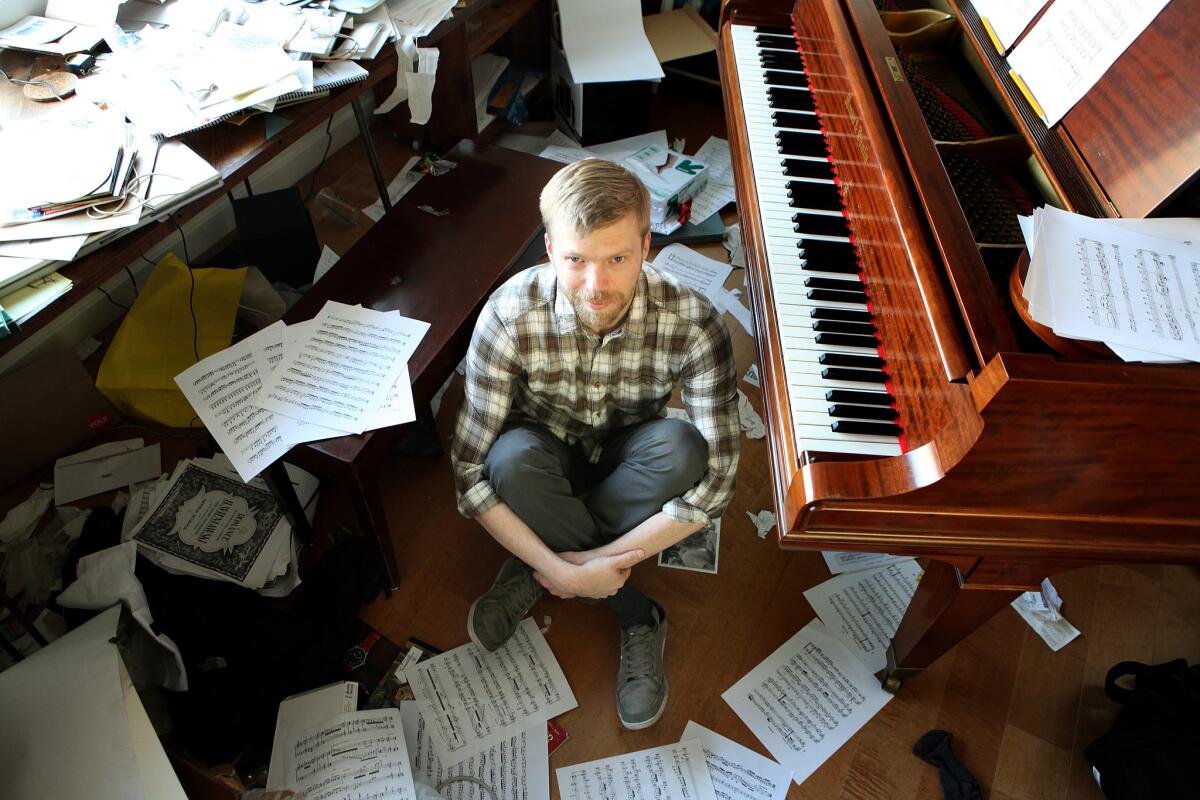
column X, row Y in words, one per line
column 638, row 652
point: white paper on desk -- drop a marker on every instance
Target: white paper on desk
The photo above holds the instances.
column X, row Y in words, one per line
column 299, row 713
column 33, row 30
column 358, row 754
column 472, row 699
column 343, row 367
column 1113, row 285
column 84, row 149
column 621, row 149
column 840, row 561
column 221, row 390
column 807, row 699
column 670, row 772
column 270, row 355
column 325, row 263
column 564, row 154
column 518, row 768
column 114, row 465
column 606, row 41
column 61, row 248
column 1073, row 45
column 737, row 772
column 404, row 181
column 702, row 274
column 1008, row 19
column 863, row 609
column 417, row 17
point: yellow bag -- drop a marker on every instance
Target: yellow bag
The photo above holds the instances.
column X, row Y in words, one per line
column 155, row 340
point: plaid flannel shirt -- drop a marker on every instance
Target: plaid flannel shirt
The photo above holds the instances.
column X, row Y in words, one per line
column 531, row 360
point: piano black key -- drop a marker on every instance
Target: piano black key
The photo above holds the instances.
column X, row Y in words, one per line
column 782, row 40
column 834, row 326
column 822, row 249
column 850, row 360
column 832, row 296
column 793, row 143
column 824, row 196
column 858, row 375
column 860, row 397
column 797, row 79
column 774, row 30
column 834, row 283
column 872, row 428
column 821, row 225
column 789, row 119
column 797, row 168
column 847, row 340
column 862, row 412
column 843, row 314
column 781, row 60
column 829, row 265
column 790, row 99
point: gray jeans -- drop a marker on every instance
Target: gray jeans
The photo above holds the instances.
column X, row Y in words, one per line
column 572, row 504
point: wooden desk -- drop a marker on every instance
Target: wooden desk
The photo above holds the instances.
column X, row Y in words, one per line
column 437, row 269
column 235, row 151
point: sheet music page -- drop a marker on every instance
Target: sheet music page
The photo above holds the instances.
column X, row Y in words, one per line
column 848, row 561
column 342, row 367
column 1111, row 284
column 1073, row 45
column 671, row 772
column 737, row 772
column 719, row 191
column 1008, row 19
column 359, row 755
column 863, row 609
column 472, row 699
column 222, row 389
column 807, row 699
column 703, row 275
column 518, row 768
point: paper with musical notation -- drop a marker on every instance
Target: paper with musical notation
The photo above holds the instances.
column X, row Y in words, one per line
column 737, row 772
column 1071, row 47
column 840, row 561
column 863, row 609
column 221, row 390
column 1006, row 20
column 358, row 755
column 671, row 772
column 472, row 699
column 517, row 768
column 807, row 699
column 343, row 366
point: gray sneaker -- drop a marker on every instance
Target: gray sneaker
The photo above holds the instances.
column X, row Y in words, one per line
column 641, row 683
column 495, row 615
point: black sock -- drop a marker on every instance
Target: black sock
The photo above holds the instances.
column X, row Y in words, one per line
column 631, row 607
column 957, row 781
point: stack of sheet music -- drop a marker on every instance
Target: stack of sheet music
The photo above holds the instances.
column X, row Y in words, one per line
column 205, row 521
column 1133, row 284
column 343, row 372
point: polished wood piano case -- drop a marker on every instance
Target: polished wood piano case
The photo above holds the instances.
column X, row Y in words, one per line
column 1019, row 463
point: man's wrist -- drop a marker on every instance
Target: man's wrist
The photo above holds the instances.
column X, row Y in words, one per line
column 563, row 574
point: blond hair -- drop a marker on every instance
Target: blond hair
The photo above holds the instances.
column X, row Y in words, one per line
column 591, row 194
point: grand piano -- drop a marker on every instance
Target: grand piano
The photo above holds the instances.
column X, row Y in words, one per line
column 881, row 154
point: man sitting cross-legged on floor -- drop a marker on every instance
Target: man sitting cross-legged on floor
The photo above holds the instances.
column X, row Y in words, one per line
column 561, row 450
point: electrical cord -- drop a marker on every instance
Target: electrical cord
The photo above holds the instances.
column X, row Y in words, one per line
column 110, row 298
column 133, row 280
column 191, row 288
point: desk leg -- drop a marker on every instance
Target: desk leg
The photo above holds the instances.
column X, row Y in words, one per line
column 364, row 133
column 281, row 486
column 942, row 613
column 368, row 503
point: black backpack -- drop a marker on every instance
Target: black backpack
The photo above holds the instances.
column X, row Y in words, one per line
column 1153, row 747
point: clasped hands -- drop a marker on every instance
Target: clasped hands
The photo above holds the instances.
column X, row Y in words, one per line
column 590, row 574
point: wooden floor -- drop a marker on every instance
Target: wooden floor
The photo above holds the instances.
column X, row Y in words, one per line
column 1020, row 714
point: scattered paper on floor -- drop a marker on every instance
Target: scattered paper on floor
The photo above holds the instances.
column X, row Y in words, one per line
column 1054, row 629
column 752, row 376
column 671, row 772
column 763, row 521
column 739, row 773
column 358, row 754
column 752, row 424
column 807, row 699
column 849, row 561
column 472, row 699
column 863, row 609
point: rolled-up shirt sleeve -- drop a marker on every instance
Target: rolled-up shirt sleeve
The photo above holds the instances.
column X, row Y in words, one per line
column 709, row 392
column 493, row 367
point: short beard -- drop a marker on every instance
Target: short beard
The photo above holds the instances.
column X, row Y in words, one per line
column 597, row 321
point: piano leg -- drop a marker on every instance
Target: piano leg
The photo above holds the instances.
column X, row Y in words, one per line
column 944, row 610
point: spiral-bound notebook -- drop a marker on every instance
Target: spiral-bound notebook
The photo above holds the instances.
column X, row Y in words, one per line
column 326, row 76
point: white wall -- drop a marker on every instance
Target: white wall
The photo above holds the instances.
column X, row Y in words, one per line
column 89, row 315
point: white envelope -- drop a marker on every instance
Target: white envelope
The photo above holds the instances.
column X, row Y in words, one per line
column 108, row 466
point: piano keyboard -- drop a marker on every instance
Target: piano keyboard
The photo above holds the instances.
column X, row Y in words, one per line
column 836, row 376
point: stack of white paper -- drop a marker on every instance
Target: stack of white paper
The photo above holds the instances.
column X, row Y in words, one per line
column 343, row 372
column 1132, row 284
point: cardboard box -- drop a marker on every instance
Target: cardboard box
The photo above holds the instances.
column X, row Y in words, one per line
column 671, row 178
